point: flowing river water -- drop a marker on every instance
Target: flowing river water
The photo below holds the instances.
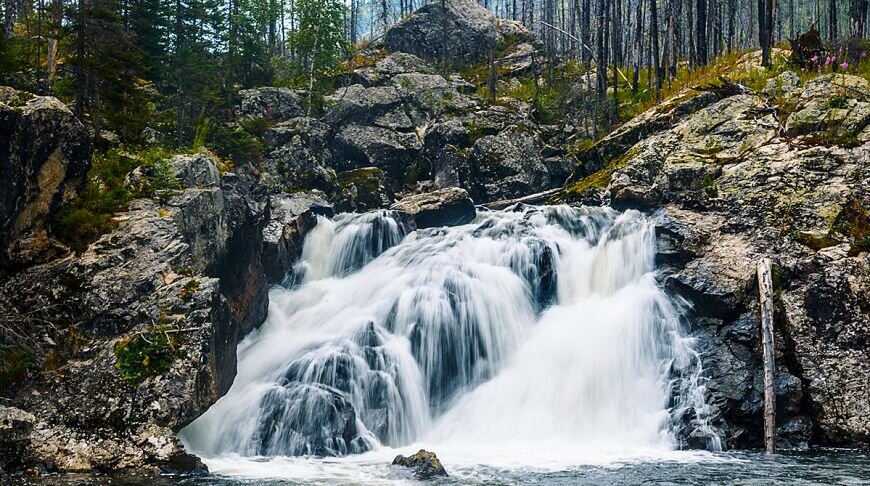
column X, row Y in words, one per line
column 532, row 346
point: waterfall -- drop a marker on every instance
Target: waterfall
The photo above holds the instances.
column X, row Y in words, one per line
column 535, row 326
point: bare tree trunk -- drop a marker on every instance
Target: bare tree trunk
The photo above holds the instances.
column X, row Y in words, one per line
column 765, row 291
column 832, row 19
column 638, row 48
column 9, row 18
column 701, row 32
column 654, row 42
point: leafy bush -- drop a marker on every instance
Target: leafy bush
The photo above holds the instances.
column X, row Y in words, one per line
column 150, row 353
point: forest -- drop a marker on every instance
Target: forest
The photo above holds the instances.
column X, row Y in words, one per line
column 173, row 65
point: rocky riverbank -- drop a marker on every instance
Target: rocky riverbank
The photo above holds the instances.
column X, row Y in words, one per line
column 109, row 352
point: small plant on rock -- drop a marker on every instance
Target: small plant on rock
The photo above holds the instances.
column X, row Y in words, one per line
column 149, row 353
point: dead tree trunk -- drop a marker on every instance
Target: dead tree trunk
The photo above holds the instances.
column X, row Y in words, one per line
column 765, row 297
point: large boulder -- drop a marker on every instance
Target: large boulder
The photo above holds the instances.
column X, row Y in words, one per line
column 832, row 107
column 444, row 207
column 299, row 157
column 272, row 104
column 461, row 30
column 358, row 146
column 45, row 155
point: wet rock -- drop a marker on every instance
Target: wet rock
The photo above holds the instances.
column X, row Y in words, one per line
column 291, row 219
column 444, row 207
column 467, row 29
column 509, row 165
column 45, row 155
column 426, row 464
column 284, row 431
column 273, row 104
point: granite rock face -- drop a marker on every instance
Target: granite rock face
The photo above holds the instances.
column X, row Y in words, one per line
column 187, row 274
column 45, row 155
column 731, row 190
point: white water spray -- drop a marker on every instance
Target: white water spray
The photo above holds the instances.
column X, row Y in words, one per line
column 532, row 328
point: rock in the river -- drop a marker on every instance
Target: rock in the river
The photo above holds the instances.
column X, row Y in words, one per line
column 464, row 31
column 426, row 464
column 445, row 207
column 273, row 104
column 45, row 155
column 292, row 218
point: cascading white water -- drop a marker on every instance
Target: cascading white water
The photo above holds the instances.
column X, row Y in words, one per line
column 536, row 326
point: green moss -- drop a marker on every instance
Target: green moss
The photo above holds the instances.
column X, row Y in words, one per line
column 367, row 178
column 709, row 185
column 476, row 131
column 90, row 215
column 189, row 289
column 814, row 240
column 598, row 179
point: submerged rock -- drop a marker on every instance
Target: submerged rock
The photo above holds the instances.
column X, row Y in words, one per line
column 444, row 207
column 426, row 464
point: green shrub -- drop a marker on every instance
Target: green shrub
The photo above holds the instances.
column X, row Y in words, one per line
column 148, row 354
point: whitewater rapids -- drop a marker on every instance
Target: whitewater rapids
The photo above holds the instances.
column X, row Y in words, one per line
column 535, row 338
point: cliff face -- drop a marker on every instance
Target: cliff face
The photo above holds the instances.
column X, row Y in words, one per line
column 737, row 176
column 121, row 346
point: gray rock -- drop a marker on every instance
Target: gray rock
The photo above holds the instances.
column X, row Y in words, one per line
column 364, row 189
column 468, row 29
column 193, row 267
column 299, row 157
column 509, row 165
column 444, row 207
column 357, row 146
column 426, row 464
column 45, row 154
column 273, row 104
column 292, row 217
column 196, row 170
column 400, row 63
column 359, row 104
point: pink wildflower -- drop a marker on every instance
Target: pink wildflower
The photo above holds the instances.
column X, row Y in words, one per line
column 815, row 58
column 863, row 54
column 845, row 65
column 828, row 61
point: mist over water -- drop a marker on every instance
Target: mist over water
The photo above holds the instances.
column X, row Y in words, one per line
column 536, row 337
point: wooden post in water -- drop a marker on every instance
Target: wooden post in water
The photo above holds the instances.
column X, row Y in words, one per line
column 765, row 298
